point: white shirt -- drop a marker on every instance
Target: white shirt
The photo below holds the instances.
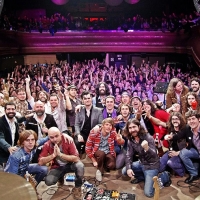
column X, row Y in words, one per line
column 40, row 125
column 12, row 126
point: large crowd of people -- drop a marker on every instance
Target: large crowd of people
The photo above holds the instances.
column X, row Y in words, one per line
column 117, row 116
column 58, row 22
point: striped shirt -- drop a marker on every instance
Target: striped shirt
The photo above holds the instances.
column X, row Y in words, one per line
column 94, row 139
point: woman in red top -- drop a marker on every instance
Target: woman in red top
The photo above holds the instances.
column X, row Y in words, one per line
column 160, row 114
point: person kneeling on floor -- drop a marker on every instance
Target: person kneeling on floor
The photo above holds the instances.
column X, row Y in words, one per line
column 64, row 157
column 147, row 167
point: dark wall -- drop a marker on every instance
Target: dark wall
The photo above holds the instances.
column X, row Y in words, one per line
column 8, row 63
column 144, row 7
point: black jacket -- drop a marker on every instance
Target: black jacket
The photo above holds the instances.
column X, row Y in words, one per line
column 6, row 138
column 31, row 123
column 187, row 134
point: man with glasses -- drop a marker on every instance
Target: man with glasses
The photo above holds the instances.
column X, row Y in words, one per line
column 192, row 135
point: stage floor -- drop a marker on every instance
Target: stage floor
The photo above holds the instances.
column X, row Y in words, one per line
column 115, row 181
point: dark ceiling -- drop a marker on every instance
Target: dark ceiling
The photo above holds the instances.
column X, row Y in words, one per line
column 149, row 7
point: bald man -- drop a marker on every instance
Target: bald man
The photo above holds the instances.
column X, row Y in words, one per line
column 64, row 157
column 40, row 122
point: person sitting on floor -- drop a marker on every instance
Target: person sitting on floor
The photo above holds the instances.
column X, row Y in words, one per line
column 192, row 151
column 19, row 162
column 171, row 158
column 100, row 146
column 142, row 143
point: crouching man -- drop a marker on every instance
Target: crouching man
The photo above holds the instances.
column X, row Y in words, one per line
column 100, row 146
column 147, row 167
column 64, row 157
column 19, row 162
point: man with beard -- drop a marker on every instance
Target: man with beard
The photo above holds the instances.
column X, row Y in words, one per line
column 171, row 158
column 195, row 86
column 142, row 143
column 72, row 91
column 86, row 119
column 192, row 151
column 9, row 132
column 102, row 90
column 40, row 122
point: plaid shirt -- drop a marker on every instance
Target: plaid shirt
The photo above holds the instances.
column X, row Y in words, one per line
column 94, row 139
column 21, row 107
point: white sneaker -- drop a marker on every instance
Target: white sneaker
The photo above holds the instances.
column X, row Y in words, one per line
column 98, row 175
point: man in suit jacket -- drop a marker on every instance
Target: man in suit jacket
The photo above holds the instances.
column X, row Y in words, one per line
column 9, row 132
column 86, row 119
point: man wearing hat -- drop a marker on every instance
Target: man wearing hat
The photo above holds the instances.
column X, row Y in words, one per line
column 72, row 92
column 126, row 98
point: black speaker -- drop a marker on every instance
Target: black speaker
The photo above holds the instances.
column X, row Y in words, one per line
column 161, row 87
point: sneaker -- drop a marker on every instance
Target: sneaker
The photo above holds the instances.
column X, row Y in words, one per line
column 98, row 175
column 169, row 182
column 77, row 194
column 136, row 181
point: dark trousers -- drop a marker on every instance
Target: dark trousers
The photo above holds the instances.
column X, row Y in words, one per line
column 80, row 145
column 55, row 174
column 105, row 161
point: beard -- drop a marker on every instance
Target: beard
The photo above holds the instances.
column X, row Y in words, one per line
column 195, row 89
column 134, row 133
column 102, row 92
column 10, row 115
column 39, row 112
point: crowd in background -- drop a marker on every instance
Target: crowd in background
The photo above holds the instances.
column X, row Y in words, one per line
column 136, row 80
column 114, row 114
column 58, row 22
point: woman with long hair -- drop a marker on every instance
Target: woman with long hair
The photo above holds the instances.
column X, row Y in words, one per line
column 176, row 93
column 160, row 114
column 171, row 158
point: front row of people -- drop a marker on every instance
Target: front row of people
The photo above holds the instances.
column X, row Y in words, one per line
column 63, row 156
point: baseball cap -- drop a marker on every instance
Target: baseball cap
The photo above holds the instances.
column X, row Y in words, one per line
column 125, row 93
column 137, row 98
column 71, row 87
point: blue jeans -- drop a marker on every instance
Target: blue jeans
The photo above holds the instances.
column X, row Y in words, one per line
column 186, row 155
column 39, row 171
column 120, row 159
column 174, row 163
column 146, row 175
column 55, row 174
